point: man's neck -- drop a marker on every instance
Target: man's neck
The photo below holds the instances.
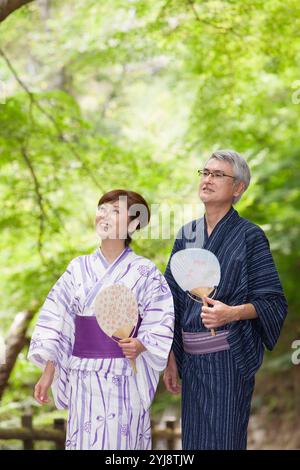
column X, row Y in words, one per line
column 213, row 215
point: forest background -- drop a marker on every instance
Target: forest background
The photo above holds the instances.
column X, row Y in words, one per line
column 136, row 94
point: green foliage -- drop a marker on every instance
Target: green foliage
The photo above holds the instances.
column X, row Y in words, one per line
column 137, row 94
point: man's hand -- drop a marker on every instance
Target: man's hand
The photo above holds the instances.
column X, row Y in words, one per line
column 170, row 377
column 218, row 315
column 131, row 347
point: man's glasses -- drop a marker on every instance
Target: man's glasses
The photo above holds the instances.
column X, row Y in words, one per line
column 214, row 174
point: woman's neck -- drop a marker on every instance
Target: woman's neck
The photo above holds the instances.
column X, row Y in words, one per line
column 213, row 215
column 112, row 249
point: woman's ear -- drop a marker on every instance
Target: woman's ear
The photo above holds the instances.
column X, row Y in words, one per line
column 133, row 225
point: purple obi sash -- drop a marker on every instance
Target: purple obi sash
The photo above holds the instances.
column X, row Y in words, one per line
column 204, row 342
column 91, row 342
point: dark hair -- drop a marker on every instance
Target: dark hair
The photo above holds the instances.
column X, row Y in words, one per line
column 132, row 199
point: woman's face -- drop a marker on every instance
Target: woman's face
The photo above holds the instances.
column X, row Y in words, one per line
column 112, row 220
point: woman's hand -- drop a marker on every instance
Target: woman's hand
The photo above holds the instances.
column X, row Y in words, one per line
column 170, row 377
column 43, row 385
column 218, row 315
column 131, row 347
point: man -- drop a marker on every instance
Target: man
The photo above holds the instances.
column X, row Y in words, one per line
column 247, row 312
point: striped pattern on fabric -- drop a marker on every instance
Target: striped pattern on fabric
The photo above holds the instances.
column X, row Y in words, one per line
column 215, row 403
column 248, row 275
column 106, row 413
column 204, row 343
column 108, row 404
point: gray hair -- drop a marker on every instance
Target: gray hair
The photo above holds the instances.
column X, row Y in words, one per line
column 240, row 168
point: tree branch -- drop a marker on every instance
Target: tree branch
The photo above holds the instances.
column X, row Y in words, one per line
column 9, row 6
column 15, row 340
column 60, row 134
column 40, row 201
column 209, row 23
column 113, row 92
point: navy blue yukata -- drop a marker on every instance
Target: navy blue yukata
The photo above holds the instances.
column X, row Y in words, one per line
column 217, row 387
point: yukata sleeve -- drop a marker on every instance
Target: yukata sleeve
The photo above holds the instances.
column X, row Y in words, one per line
column 53, row 335
column 265, row 292
column 179, row 304
column 157, row 326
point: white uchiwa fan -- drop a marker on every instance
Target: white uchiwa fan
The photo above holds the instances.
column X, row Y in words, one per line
column 197, row 272
column 116, row 312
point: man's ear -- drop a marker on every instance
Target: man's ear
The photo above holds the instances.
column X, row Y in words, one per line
column 133, row 225
column 239, row 189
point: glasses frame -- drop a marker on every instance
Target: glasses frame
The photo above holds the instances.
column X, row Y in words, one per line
column 212, row 174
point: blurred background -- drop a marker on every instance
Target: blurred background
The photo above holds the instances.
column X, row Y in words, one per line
column 136, row 94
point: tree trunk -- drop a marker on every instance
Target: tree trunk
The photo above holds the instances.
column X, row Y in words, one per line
column 15, row 341
column 9, row 6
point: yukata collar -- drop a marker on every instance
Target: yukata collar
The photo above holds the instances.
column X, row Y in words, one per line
column 104, row 261
column 231, row 213
column 219, row 232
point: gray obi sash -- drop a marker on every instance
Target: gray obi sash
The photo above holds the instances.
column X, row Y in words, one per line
column 204, row 342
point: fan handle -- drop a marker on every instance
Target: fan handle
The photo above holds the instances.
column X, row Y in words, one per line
column 124, row 333
column 202, row 292
column 133, row 365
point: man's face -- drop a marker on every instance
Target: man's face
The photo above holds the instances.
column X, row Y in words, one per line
column 219, row 189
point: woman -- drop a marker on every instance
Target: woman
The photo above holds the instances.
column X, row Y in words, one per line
column 108, row 403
